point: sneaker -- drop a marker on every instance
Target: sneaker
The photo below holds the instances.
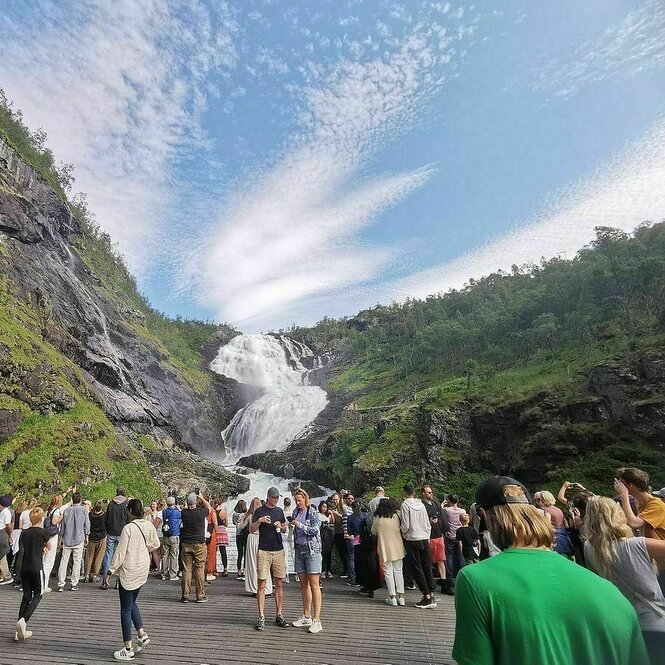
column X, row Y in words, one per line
column 425, row 603
column 352, row 584
column 174, row 578
column 61, row 589
column 401, row 602
column 184, row 600
column 260, row 623
column 202, row 599
column 74, row 588
column 287, row 580
column 142, row 642
column 279, row 621
column 210, row 578
column 303, row 621
column 297, row 578
column 343, row 577
column 411, row 587
column 124, row 654
column 316, row 626
column 21, row 629
column 9, row 580
column 330, row 575
column 391, row 601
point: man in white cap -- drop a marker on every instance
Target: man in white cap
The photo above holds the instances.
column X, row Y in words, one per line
column 271, row 524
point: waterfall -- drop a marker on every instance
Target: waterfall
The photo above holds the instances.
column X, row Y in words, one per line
column 287, row 404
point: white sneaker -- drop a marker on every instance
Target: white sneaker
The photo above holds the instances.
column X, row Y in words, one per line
column 391, row 601
column 302, row 622
column 210, row 578
column 124, row 654
column 316, row 626
column 401, row 602
column 21, row 629
column 141, row 642
column 297, row 578
column 9, row 580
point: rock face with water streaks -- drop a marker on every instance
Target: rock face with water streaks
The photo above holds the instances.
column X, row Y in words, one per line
column 129, row 374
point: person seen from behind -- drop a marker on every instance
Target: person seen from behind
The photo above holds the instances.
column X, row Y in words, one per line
column 468, row 541
column 390, row 546
column 613, row 553
column 437, row 549
column 528, row 605
column 75, row 531
column 131, row 562
column 170, row 540
column 194, row 549
column 34, row 543
column 96, row 542
column 116, row 518
column 452, row 514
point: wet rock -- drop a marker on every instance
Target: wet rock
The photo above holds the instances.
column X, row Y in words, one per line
column 10, row 421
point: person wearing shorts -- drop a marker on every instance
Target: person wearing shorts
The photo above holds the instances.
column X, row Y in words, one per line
column 306, row 526
column 437, row 549
column 271, row 523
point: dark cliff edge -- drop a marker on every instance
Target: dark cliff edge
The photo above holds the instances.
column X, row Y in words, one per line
column 88, row 391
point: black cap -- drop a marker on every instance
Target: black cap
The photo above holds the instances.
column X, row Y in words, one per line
column 490, row 493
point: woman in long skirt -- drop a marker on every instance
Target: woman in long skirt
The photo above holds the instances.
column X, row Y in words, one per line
column 252, row 552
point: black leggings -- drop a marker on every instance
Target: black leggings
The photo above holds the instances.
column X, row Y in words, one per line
column 222, row 551
column 32, row 594
column 340, row 546
column 241, row 544
column 327, row 558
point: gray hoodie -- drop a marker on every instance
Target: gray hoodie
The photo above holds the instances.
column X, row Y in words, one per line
column 415, row 521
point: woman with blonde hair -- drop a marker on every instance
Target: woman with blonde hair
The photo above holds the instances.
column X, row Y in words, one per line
column 614, row 554
column 547, row 502
column 306, row 529
column 252, row 552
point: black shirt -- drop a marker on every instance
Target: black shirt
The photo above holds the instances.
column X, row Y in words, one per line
column 270, row 540
column 32, row 543
column 97, row 526
column 434, row 510
column 193, row 529
column 468, row 536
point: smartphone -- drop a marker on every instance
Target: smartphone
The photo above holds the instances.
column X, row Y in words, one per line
column 197, row 490
column 289, row 518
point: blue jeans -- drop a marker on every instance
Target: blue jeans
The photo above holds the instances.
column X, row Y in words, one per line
column 350, row 561
column 129, row 612
column 111, row 544
column 454, row 558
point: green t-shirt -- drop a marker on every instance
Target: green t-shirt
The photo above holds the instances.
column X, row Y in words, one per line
column 535, row 607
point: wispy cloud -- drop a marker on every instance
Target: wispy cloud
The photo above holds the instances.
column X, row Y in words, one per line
column 119, row 87
column 293, row 234
column 623, row 193
column 632, row 45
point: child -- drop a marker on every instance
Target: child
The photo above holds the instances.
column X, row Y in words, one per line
column 34, row 543
column 468, row 540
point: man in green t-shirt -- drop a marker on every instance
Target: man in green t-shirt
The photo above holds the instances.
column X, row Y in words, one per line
column 529, row 605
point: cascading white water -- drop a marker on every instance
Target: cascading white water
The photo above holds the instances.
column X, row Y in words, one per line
column 287, row 405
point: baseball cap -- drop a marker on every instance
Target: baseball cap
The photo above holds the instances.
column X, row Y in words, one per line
column 491, row 492
column 273, row 492
column 6, row 500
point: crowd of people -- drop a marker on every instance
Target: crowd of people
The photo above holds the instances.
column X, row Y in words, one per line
column 577, row 582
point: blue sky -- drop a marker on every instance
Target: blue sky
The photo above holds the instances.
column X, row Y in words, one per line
column 268, row 162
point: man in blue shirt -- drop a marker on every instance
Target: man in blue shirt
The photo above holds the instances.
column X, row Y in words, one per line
column 271, row 524
column 171, row 532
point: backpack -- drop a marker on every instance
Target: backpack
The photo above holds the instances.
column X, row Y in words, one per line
column 166, row 523
column 53, row 529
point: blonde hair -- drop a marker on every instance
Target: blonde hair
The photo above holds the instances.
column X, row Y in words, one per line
column 464, row 518
column 604, row 526
column 254, row 505
column 36, row 516
column 547, row 498
column 518, row 523
column 302, row 493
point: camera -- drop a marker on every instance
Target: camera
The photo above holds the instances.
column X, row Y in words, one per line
column 197, row 490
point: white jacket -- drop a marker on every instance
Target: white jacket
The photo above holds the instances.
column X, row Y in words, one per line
column 415, row 521
column 131, row 560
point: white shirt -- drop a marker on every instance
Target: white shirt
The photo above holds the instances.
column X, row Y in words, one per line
column 5, row 518
column 24, row 520
column 131, row 560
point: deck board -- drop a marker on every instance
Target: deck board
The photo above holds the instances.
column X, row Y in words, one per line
column 83, row 628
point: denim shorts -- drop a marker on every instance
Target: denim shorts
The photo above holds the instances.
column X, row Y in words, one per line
column 306, row 562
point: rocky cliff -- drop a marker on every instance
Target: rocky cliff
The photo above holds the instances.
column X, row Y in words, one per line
column 74, row 347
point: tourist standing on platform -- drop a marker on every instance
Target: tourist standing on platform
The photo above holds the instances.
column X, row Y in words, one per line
column 21, row 522
column 327, row 538
column 211, row 545
column 390, row 546
column 349, row 540
column 6, row 528
column 437, row 549
column 337, row 509
column 222, row 537
column 52, row 523
column 75, row 531
column 612, row 552
column 287, row 541
column 379, row 493
column 252, row 552
column 306, row 528
column 34, row 543
column 171, row 540
column 530, row 605
column 131, row 562
column 116, row 518
column 194, row 549
column 270, row 522
column 96, row 542
column 241, row 536
column 451, row 520
column 155, row 518
column 468, row 540
column 631, row 482
column 416, row 528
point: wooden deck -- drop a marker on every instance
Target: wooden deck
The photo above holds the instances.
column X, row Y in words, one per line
column 83, row 627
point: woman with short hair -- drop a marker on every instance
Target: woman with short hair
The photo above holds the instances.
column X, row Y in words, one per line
column 612, row 552
column 131, row 562
column 306, row 529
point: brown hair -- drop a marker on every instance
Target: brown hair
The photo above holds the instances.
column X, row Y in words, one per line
column 634, row 476
column 518, row 523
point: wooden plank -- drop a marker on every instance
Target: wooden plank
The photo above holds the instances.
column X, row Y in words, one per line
column 83, row 628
